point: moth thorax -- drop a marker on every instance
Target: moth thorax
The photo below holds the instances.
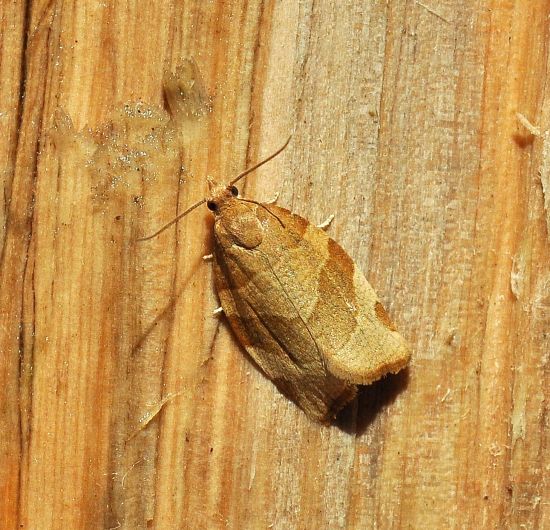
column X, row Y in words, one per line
column 238, row 224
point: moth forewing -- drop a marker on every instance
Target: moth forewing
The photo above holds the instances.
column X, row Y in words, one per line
column 375, row 348
column 300, row 307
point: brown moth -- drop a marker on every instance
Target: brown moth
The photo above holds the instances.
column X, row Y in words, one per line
column 298, row 303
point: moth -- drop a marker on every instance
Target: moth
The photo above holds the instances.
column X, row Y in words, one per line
column 297, row 302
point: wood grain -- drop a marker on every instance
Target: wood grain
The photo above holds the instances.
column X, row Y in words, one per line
column 404, row 122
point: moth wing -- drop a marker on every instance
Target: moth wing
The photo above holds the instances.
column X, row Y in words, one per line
column 299, row 372
column 355, row 335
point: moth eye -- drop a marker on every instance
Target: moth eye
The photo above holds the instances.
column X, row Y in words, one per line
column 234, row 191
column 211, row 205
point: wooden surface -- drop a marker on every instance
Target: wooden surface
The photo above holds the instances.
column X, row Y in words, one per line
column 404, row 122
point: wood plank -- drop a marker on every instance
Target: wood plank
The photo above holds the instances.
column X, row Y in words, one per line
column 126, row 404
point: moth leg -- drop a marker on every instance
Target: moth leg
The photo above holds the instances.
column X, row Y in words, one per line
column 274, row 199
column 326, row 223
column 217, row 311
column 208, row 257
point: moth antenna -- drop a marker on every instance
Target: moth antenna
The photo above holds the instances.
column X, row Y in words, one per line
column 256, row 166
column 197, row 204
column 173, row 221
column 264, row 207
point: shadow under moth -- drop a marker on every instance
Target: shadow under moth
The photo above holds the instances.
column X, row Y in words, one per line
column 298, row 303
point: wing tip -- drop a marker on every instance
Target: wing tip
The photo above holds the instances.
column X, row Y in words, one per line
column 371, row 372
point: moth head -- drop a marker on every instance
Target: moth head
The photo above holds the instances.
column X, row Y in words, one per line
column 219, row 195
